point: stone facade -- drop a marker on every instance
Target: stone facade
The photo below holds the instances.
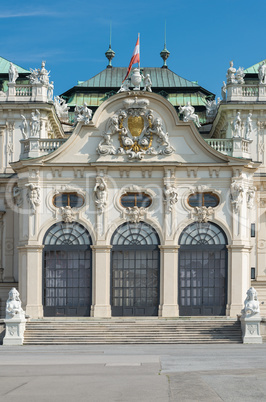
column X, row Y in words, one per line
column 134, row 145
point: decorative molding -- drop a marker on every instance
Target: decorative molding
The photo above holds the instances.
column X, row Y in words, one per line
column 100, row 194
column 134, row 214
column 202, row 214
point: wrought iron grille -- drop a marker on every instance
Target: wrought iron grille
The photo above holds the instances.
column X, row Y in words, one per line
column 67, row 234
column 135, row 234
column 202, row 233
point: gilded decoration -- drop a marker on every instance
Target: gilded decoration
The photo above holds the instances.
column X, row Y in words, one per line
column 139, row 132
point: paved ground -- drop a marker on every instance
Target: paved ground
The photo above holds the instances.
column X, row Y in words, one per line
column 133, row 373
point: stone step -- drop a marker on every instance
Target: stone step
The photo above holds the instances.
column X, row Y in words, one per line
column 131, row 331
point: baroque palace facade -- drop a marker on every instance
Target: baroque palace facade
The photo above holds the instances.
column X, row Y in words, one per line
column 117, row 201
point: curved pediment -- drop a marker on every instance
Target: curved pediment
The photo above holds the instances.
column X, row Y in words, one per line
column 132, row 127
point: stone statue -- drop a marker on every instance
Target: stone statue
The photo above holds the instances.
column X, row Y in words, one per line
column 35, row 123
column 33, row 196
column 44, row 75
column 83, row 113
column 170, row 197
column 240, row 76
column 157, row 129
column 24, row 127
column 136, row 79
column 34, row 76
column 237, row 126
column 17, row 194
column 231, row 74
column 147, row 83
column 252, row 305
column 100, row 194
column 262, row 73
column 125, row 86
column 13, row 73
column 251, row 193
column 211, row 108
column 223, row 91
column 248, row 127
column 50, row 90
column 61, row 108
column 236, row 194
column 189, row 114
column 13, row 305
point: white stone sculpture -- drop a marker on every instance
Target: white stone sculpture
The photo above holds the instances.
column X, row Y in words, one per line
column 237, row 126
column 125, row 86
column 212, row 107
column 223, row 91
column 17, row 194
column 100, row 194
column 147, row 83
column 35, row 123
column 240, row 76
column 230, row 76
column 83, row 113
column 250, row 319
column 68, row 214
column 202, row 214
column 136, row 79
column 135, row 214
column 236, row 194
column 13, row 305
column 248, row 127
column 61, row 108
column 50, row 90
column 13, row 73
column 33, row 196
column 189, row 114
column 15, row 320
column 24, row 127
column 262, row 73
column 44, row 75
column 251, row 193
column 170, row 197
column 157, row 129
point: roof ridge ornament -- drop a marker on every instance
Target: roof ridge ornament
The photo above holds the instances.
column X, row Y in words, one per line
column 110, row 54
column 164, row 53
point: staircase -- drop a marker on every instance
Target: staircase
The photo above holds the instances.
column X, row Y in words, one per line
column 131, row 331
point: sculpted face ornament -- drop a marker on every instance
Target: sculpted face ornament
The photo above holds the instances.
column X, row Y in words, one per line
column 139, row 132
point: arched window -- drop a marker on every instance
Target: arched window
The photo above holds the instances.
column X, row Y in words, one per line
column 135, row 269
column 67, row 270
column 202, row 273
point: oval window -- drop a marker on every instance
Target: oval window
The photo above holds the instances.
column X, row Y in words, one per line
column 72, row 200
column 203, row 199
column 135, row 200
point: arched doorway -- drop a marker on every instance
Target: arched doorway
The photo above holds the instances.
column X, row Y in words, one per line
column 202, row 278
column 135, row 270
column 67, row 270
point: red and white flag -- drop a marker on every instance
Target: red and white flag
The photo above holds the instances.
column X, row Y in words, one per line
column 134, row 59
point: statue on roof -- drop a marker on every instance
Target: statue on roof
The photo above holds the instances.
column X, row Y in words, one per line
column 248, row 127
column 125, row 86
column 13, row 73
column 61, row 108
column 223, row 91
column 231, row 74
column 240, row 75
column 24, row 127
column 35, row 123
column 212, row 107
column 262, row 73
column 189, row 114
column 50, row 90
column 147, row 83
column 83, row 113
column 237, row 126
column 44, row 75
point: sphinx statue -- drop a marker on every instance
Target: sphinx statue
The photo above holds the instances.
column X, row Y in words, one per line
column 13, row 305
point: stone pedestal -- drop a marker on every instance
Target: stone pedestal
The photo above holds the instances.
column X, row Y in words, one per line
column 15, row 328
column 251, row 329
column 11, row 93
column 30, row 148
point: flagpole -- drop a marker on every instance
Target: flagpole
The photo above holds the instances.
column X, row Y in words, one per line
column 139, row 51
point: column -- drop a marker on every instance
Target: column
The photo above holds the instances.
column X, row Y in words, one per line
column 101, row 282
column 30, row 279
column 1, row 245
column 238, row 277
column 169, row 281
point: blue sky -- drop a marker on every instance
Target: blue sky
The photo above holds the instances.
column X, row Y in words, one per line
column 72, row 36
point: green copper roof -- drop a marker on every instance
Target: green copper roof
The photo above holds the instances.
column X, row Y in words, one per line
column 160, row 77
column 5, row 64
column 253, row 69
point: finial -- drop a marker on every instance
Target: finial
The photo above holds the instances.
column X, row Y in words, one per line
column 164, row 53
column 110, row 54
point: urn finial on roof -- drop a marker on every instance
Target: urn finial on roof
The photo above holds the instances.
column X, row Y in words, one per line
column 110, row 54
column 164, row 53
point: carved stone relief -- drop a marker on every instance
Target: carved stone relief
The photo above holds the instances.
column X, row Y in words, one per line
column 236, row 194
column 33, row 196
column 68, row 214
column 100, row 194
column 202, row 214
column 170, row 197
column 139, row 132
column 135, row 214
